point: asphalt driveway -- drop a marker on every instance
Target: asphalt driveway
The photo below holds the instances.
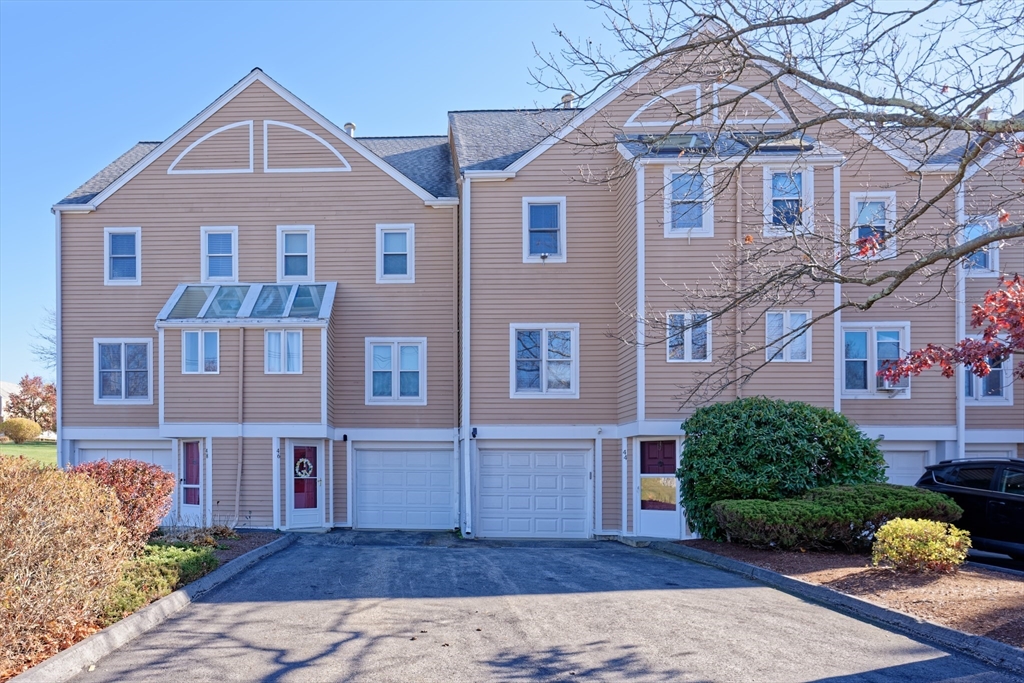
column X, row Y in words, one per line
column 425, row 607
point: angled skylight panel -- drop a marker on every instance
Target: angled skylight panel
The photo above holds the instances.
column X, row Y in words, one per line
column 307, row 302
column 191, row 302
column 272, row 301
column 226, row 302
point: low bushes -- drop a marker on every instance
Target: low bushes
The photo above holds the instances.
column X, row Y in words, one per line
column 21, row 429
column 143, row 490
column 62, row 546
column 761, row 448
column 157, row 571
column 920, row 545
column 843, row 517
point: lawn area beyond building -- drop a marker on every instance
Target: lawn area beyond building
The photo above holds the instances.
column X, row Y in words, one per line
column 43, row 451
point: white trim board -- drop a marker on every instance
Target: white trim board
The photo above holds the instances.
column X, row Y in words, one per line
column 343, row 168
column 171, row 170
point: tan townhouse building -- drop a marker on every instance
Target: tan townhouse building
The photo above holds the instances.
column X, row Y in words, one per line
column 313, row 329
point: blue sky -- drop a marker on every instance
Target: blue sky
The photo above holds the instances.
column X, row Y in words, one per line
column 81, row 82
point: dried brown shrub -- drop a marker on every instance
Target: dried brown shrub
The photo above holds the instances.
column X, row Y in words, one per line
column 144, row 491
column 62, row 546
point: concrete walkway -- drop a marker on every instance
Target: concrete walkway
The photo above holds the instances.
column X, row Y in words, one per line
column 428, row 607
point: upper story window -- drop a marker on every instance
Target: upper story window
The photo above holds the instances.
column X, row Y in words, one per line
column 396, row 371
column 994, row 388
column 283, row 352
column 396, row 252
column 200, row 352
column 220, row 253
column 787, row 197
column 689, row 207
column 123, row 371
column 787, row 338
column 689, row 337
column 544, row 360
column 868, row 348
column 874, row 218
column 121, row 256
column 543, row 229
column 295, row 257
column 985, row 261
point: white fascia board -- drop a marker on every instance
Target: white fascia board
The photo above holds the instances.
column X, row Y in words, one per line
column 544, row 432
column 623, row 152
column 440, row 435
column 979, row 436
column 328, row 303
column 169, row 306
column 489, row 175
column 242, row 322
column 291, row 430
column 72, row 208
column 899, row 433
column 112, row 433
column 733, row 161
column 442, row 202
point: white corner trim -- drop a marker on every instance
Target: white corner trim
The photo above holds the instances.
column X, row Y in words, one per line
column 122, row 282
column 323, row 376
column 275, row 470
column 343, row 168
column 410, row 249
column 837, row 292
column 562, row 229
column 641, row 297
column 464, row 429
column 171, row 170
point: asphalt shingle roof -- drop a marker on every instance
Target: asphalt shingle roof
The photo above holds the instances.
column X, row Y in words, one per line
column 99, row 182
column 426, row 160
column 724, row 146
column 493, row 140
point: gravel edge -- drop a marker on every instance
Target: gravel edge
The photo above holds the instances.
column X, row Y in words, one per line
column 987, row 650
column 67, row 664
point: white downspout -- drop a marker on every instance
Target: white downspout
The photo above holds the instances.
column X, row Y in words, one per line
column 641, row 297
column 467, row 446
column 961, row 332
column 837, row 293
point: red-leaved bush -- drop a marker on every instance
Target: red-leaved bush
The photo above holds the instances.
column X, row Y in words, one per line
column 144, row 491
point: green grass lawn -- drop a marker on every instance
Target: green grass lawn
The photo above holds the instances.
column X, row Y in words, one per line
column 43, row 451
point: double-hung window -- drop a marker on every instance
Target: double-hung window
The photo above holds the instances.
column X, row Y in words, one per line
column 867, row 349
column 787, row 198
column 220, row 253
column 689, row 337
column 787, row 336
column 396, row 371
column 689, row 207
column 985, row 261
column 123, row 371
column 396, row 252
column 545, row 360
column 295, row 257
column 874, row 218
column 992, row 389
column 121, row 256
column 283, row 352
column 200, row 352
column 543, row 229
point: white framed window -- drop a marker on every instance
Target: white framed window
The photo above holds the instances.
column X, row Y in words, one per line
column 784, row 340
column 396, row 252
column 689, row 337
column 689, row 202
column 788, row 201
column 985, row 261
column 396, row 371
column 122, row 256
column 220, row 253
column 123, row 371
column 295, row 253
column 995, row 388
column 868, row 348
column 543, row 229
column 200, row 352
column 282, row 352
column 874, row 217
column 544, row 360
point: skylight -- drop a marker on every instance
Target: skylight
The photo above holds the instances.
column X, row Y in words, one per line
column 246, row 303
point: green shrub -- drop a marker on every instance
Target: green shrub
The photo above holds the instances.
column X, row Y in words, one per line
column 835, row 517
column 21, row 429
column 158, row 571
column 920, row 545
column 760, row 448
column 144, row 491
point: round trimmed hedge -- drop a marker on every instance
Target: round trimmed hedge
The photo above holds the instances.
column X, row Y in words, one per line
column 767, row 449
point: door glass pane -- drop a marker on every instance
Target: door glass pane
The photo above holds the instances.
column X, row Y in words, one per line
column 211, row 352
column 658, row 493
column 304, row 466
column 190, row 480
column 191, row 352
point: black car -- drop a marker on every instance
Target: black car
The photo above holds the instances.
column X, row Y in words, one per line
column 991, row 492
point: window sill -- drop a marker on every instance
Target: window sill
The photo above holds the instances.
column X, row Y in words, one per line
column 122, row 283
column 903, row 395
column 410, row 402
column 396, row 280
column 122, row 401
column 549, row 259
column 972, row 273
column 543, row 395
column 692, row 232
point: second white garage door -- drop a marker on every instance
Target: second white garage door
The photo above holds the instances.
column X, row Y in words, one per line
column 904, row 467
column 532, row 494
column 413, row 489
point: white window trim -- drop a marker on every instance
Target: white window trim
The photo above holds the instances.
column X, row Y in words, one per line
column 203, row 232
column 872, row 328
column 544, row 328
column 687, row 338
column 890, row 222
column 708, row 213
column 993, row 249
column 807, row 200
column 410, row 245
column 202, row 352
column 562, row 229
column 310, row 231
column 122, row 282
column 369, row 343
column 284, row 352
column 978, row 400
column 787, row 337
column 96, row 371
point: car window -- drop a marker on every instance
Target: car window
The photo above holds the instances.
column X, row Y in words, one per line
column 945, row 475
column 972, row 477
column 1012, row 481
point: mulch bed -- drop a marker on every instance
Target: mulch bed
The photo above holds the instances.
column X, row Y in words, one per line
column 246, row 541
column 978, row 601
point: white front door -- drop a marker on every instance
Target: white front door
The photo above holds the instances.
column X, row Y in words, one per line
column 305, row 485
column 658, row 490
column 190, row 484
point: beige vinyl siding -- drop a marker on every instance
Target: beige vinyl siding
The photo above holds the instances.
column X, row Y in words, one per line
column 224, row 454
column 505, row 290
column 331, row 370
column 257, row 483
column 341, row 484
column 625, row 294
column 201, row 397
column 289, row 148
column 344, row 207
column 611, row 485
column 228, row 149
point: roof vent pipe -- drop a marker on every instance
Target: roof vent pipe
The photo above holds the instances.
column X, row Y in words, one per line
column 567, row 99
column 350, row 128
column 984, row 113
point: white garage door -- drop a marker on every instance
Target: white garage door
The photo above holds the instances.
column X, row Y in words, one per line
column 905, row 467
column 532, row 494
column 412, row 489
column 162, row 457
